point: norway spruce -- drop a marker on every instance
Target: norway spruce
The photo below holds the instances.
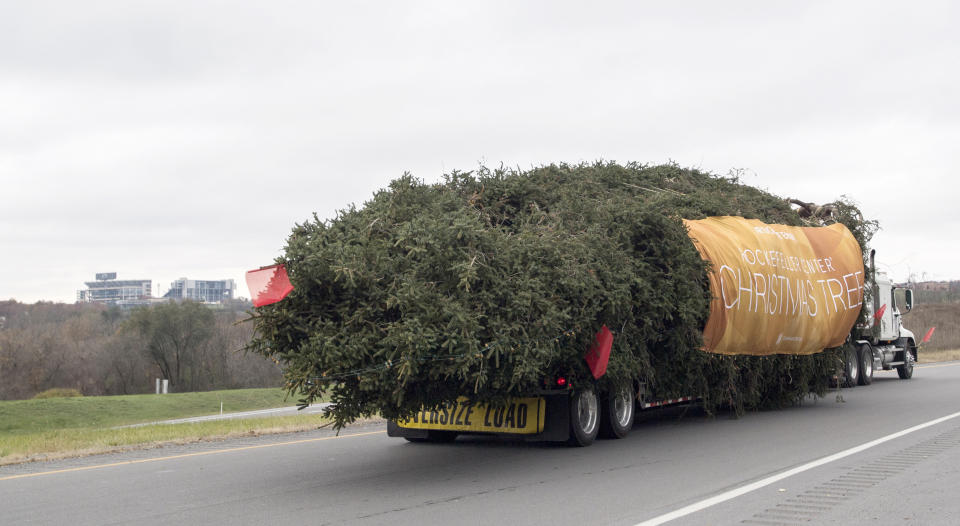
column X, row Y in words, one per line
column 491, row 281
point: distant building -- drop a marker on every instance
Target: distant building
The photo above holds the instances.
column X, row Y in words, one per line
column 217, row 291
column 110, row 290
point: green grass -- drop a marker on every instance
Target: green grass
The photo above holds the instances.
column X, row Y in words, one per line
column 60, row 427
column 31, row 416
column 62, row 443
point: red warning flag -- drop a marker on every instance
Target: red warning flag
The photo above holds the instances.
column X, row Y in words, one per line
column 268, row 284
column 599, row 353
column 880, row 312
column 926, row 338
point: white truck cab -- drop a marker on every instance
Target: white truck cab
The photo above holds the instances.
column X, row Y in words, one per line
column 882, row 342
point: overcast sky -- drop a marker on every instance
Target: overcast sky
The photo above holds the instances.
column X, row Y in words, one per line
column 161, row 139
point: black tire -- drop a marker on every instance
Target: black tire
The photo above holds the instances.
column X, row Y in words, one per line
column 436, row 437
column 851, row 367
column 865, row 355
column 584, row 418
column 617, row 411
column 905, row 371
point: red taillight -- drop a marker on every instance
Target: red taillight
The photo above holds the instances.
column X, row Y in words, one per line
column 561, row 382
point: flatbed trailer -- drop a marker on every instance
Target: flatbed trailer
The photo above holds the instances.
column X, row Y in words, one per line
column 578, row 416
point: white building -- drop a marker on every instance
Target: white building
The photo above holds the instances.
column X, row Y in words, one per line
column 203, row 291
column 108, row 289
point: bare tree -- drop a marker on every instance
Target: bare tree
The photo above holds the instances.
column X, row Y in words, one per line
column 173, row 336
column 103, row 350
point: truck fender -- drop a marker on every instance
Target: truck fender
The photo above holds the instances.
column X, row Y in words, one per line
column 908, row 334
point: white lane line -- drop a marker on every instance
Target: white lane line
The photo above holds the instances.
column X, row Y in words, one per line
column 227, row 416
column 736, row 492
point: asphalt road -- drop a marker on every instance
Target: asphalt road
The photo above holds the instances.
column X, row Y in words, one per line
column 695, row 470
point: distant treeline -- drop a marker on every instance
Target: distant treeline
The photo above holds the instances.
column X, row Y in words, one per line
column 931, row 292
column 101, row 350
column 104, row 351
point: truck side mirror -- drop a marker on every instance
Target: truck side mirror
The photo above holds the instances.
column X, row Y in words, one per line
column 907, row 300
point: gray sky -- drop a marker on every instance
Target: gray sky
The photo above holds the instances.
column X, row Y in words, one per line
column 164, row 139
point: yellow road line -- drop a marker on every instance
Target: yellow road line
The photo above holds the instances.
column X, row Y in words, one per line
column 185, row 455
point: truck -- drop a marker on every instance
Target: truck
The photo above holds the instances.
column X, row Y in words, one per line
column 559, row 412
column 882, row 343
column 556, row 303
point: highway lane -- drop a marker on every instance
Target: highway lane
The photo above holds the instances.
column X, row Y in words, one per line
column 663, row 466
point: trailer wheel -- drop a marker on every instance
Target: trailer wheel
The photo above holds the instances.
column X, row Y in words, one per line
column 617, row 410
column 584, row 418
column 905, row 371
column 851, row 368
column 865, row 354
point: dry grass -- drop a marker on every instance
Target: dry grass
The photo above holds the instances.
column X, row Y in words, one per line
column 938, row 356
column 945, row 317
column 64, row 443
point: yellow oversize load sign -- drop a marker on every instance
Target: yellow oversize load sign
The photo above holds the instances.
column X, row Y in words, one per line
column 778, row 289
column 520, row 415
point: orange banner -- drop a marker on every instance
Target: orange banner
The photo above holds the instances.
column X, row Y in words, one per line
column 778, row 289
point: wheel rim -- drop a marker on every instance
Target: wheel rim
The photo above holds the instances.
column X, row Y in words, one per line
column 587, row 412
column 854, row 367
column 623, row 408
column 867, row 363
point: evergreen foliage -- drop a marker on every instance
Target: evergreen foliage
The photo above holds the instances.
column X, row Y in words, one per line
column 492, row 281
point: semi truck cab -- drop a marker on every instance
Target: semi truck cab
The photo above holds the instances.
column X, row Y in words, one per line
column 882, row 342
